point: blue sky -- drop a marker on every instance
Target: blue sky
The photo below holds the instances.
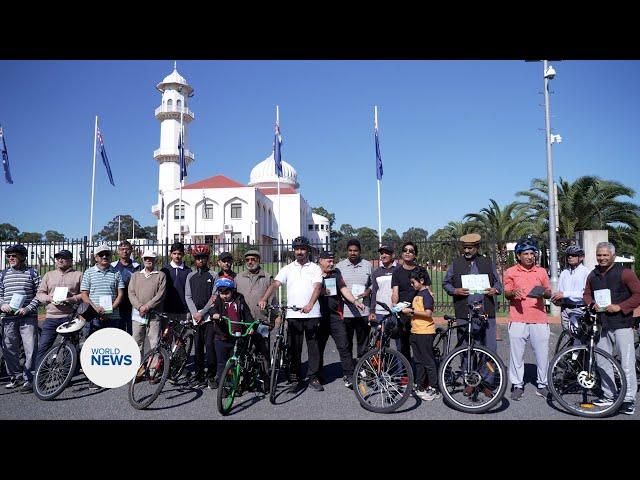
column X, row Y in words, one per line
column 453, row 134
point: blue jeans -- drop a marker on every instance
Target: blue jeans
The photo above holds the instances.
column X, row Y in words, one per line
column 48, row 336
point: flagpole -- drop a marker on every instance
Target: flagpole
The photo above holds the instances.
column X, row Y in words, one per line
column 181, row 138
column 93, row 180
column 279, row 209
column 133, row 230
column 375, row 124
column 118, row 228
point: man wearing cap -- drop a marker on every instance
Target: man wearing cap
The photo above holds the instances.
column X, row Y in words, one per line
column 103, row 288
column 176, row 272
column 470, row 263
column 225, row 262
column 252, row 283
column 19, row 306
column 127, row 267
column 356, row 272
column 303, row 280
column 571, row 287
column 59, row 290
column 146, row 293
column 528, row 318
column 381, row 283
column 334, row 289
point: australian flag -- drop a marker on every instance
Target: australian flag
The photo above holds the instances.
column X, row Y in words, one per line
column 276, row 151
column 183, row 164
column 378, row 156
column 105, row 160
column 5, row 159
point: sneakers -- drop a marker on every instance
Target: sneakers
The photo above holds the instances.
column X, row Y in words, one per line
column 316, row 385
column 628, row 408
column 14, row 383
column 429, row 394
column 542, row 392
column 516, row 394
column 212, row 383
column 603, row 402
column 347, row 381
column 28, row 388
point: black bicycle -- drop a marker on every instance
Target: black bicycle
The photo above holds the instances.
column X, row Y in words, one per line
column 472, row 378
column 166, row 361
column 383, row 378
column 584, row 379
column 246, row 369
column 280, row 361
column 60, row 363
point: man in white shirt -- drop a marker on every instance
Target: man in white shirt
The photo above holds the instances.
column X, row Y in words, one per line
column 303, row 280
column 571, row 286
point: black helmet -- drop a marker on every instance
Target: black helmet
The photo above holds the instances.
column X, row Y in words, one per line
column 17, row 248
column 301, row 242
column 574, row 250
column 526, row 244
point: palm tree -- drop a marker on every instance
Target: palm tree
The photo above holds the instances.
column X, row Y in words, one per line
column 501, row 225
column 444, row 241
column 589, row 203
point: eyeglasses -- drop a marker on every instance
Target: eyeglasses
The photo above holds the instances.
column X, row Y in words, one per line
column 408, row 250
column 104, row 254
column 12, row 255
column 148, row 259
column 250, row 259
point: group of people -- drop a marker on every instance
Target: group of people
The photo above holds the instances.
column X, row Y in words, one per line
column 339, row 300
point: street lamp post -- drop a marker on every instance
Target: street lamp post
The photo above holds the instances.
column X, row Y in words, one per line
column 549, row 74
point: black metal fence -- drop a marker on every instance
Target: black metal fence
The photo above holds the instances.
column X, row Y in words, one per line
column 435, row 256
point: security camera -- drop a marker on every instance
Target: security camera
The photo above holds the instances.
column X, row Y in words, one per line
column 550, row 73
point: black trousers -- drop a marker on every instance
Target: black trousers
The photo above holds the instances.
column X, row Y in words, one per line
column 404, row 342
column 426, row 373
column 359, row 325
column 299, row 328
column 332, row 324
column 204, row 339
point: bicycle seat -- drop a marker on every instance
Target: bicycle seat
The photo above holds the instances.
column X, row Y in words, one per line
column 72, row 326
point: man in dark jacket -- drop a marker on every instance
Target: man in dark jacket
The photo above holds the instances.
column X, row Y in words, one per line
column 175, row 305
column 615, row 290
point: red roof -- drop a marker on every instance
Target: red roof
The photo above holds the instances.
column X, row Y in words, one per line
column 218, row 181
column 274, row 190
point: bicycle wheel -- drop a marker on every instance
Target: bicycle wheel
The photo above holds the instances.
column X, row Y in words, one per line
column 150, row 379
column 180, row 357
column 382, row 380
column 476, row 389
column 228, row 386
column 55, row 371
column 565, row 340
column 277, row 364
column 576, row 389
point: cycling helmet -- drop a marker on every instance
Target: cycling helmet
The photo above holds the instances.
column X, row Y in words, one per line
column 201, row 250
column 577, row 327
column 74, row 325
column 225, row 282
column 526, row 244
column 301, row 242
column 574, row 250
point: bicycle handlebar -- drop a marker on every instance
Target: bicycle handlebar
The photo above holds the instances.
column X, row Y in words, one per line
column 281, row 307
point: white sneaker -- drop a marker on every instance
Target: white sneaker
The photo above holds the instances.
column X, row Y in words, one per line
column 431, row 394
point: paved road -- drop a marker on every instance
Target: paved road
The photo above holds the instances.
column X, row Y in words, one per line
column 335, row 403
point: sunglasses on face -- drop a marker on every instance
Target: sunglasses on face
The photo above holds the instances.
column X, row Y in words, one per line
column 408, row 250
column 104, row 254
column 12, row 255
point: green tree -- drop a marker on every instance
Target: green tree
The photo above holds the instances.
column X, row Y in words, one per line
column 415, row 234
column 8, row 232
column 53, row 236
column 30, row 237
column 149, row 232
column 391, row 237
column 636, row 256
column 110, row 230
column 368, row 238
column 322, row 211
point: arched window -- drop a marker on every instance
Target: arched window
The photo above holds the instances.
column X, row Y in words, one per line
column 169, row 104
column 178, row 104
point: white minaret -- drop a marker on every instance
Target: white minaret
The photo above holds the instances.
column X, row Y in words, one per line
column 175, row 94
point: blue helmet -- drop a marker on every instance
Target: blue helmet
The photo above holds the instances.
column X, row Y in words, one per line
column 225, row 282
column 526, row 244
column 574, row 250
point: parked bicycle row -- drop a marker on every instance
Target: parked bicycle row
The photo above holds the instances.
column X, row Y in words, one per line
column 228, row 318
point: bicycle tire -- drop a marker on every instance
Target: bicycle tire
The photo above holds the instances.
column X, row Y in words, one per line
column 567, row 376
column 180, row 357
column 145, row 387
column 228, row 386
column 565, row 340
column 395, row 379
column 54, row 373
column 452, row 382
column 276, row 365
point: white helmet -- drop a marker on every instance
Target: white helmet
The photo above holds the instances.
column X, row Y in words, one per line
column 72, row 325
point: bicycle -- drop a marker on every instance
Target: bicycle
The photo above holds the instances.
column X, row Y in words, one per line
column 472, row 378
column 245, row 370
column 58, row 366
column 383, row 378
column 280, row 362
column 580, row 374
column 166, row 361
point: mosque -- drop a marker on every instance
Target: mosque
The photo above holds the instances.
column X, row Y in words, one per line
column 219, row 209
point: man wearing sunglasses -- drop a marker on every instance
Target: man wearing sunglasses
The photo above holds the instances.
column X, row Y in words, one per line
column 571, row 287
column 253, row 282
column 19, row 306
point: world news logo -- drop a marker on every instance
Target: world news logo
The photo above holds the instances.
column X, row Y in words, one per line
column 108, row 357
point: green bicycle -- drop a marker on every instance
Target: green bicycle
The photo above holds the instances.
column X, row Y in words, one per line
column 246, row 369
